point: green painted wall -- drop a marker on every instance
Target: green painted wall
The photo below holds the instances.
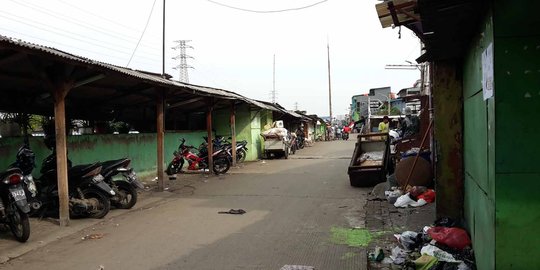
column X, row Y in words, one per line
column 479, row 150
column 517, row 110
column 501, row 140
column 248, row 127
column 141, row 148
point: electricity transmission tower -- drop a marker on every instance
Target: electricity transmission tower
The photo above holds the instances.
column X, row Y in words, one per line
column 183, row 66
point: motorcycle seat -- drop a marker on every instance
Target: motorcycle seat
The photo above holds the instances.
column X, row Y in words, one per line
column 111, row 165
column 80, row 170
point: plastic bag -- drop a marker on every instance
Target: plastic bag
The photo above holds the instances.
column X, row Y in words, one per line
column 452, row 237
column 418, row 203
column 438, row 253
column 417, row 191
column 408, row 239
column 403, row 201
column 428, row 196
column 398, row 256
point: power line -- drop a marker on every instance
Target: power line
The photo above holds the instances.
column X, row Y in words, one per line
column 74, row 38
column 39, row 25
column 267, row 11
column 142, row 34
column 58, row 16
column 71, row 46
column 98, row 16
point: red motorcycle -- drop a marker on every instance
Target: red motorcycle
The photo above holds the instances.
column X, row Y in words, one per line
column 198, row 161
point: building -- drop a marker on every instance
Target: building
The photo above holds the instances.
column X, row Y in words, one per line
column 484, row 58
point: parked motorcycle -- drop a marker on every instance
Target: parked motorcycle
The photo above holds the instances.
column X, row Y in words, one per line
column 125, row 188
column 89, row 195
column 198, row 161
column 345, row 136
column 241, row 148
column 14, row 208
column 26, row 162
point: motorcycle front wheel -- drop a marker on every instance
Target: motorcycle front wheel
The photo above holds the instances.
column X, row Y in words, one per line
column 100, row 200
column 221, row 165
column 173, row 168
column 19, row 223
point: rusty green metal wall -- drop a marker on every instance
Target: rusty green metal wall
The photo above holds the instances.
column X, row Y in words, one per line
column 479, row 150
column 501, row 139
column 517, row 110
column 140, row 148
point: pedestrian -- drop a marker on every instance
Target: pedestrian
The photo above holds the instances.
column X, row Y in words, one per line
column 383, row 126
column 410, row 125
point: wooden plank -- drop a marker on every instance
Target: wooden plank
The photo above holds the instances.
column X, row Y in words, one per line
column 160, row 129
column 60, row 93
column 233, row 133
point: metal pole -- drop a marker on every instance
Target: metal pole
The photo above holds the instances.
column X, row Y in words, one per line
column 274, row 81
column 233, row 133
column 329, row 83
column 389, row 109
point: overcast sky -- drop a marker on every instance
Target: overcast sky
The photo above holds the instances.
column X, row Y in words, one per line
column 233, row 49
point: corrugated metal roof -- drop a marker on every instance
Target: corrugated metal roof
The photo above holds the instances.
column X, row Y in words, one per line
column 200, row 90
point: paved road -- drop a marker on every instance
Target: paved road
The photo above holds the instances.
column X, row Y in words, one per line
column 292, row 206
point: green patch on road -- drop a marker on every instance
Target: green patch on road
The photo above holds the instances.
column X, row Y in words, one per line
column 348, row 255
column 352, row 237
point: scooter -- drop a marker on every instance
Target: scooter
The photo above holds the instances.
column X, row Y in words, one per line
column 14, row 208
column 89, row 195
column 221, row 162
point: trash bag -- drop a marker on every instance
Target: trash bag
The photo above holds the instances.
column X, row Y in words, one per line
column 428, row 196
column 425, row 262
column 445, row 222
column 417, row 191
column 399, row 256
column 409, row 240
column 438, row 253
column 452, row 237
column 403, row 201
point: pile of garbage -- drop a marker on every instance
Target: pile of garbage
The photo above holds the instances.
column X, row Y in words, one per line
column 412, row 196
column 276, row 132
column 442, row 246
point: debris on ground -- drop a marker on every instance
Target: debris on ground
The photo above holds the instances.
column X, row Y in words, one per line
column 433, row 248
column 233, row 212
column 297, row 267
column 93, row 236
column 377, row 255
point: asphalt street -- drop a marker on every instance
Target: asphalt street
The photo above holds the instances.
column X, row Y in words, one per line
column 293, row 209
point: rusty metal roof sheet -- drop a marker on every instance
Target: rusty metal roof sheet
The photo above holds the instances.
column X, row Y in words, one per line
column 146, row 76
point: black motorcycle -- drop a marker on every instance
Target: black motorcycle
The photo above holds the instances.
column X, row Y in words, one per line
column 14, row 208
column 241, row 148
column 89, row 195
column 125, row 188
column 345, row 136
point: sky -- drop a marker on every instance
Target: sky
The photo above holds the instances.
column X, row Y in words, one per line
column 232, row 49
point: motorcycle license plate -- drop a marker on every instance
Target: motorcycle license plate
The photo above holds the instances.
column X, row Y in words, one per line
column 18, row 194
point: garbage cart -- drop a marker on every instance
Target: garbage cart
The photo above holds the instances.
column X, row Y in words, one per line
column 275, row 145
column 370, row 160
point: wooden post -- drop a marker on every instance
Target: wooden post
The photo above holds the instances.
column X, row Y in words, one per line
column 209, row 132
column 60, row 91
column 160, row 137
column 233, row 133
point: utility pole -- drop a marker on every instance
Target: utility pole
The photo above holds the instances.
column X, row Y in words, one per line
column 296, row 106
column 163, row 44
column 329, row 82
column 273, row 93
column 183, row 75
